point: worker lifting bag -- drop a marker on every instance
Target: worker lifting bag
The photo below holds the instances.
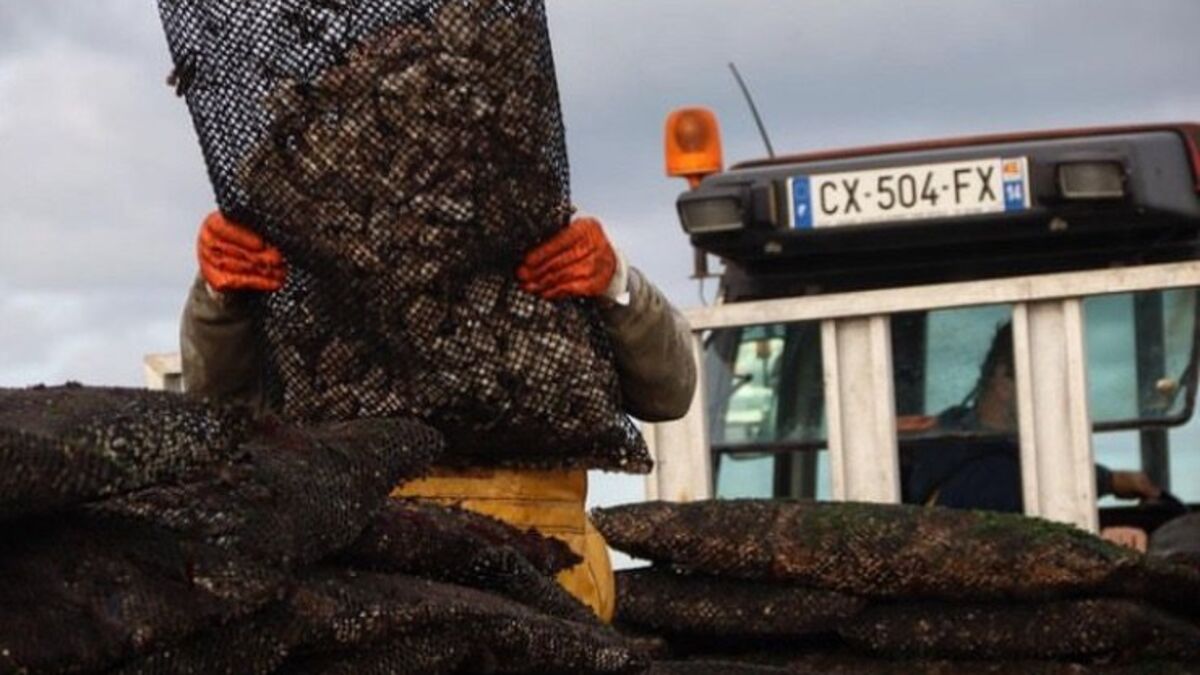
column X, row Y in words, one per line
column 404, row 155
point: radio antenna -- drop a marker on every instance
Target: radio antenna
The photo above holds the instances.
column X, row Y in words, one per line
column 762, row 129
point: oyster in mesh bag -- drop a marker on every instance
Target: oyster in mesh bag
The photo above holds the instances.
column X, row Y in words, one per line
column 82, row 592
column 714, row 667
column 295, row 495
column 405, row 155
column 394, row 620
column 848, row 663
column 669, row 602
column 450, row 544
column 889, row 551
column 253, row 646
column 1090, row 628
column 61, row 446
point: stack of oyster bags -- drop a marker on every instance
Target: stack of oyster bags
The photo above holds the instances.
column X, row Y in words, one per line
column 149, row 532
column 819, row 587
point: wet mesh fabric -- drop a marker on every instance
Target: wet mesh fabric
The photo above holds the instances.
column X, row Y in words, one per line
column 405, row 619
column 254, row 646
column 404, row 155
column 449, row 544
column 411, row 655
column 700, row 667
column 1052, row 630
column 79, row 593
column 295, row 495
column 61, row 446
column 890, row 550
column 670, row 602
column 846, row 663
column 415, row 536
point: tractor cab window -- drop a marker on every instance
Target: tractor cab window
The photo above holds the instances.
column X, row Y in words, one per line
column 766, row 403
column 766, row 410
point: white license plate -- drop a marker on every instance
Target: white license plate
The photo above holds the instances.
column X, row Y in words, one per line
column 999, row 185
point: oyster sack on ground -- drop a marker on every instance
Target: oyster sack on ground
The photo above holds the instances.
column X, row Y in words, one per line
column 668, row 602
column 415, row 536
column 253, row 646
column 80, row 592
column 1119, row 630
column 700, row 667
column 847, row 663
column 406, row 620
column 449, row 544
column 61, row 446
column 890, row 551
column 295, row 495
column 405, row 155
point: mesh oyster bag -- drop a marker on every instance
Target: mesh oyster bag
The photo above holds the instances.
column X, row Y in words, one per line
column 253, row 646
column 294, row 495
column 359, row 622
column 404, row 155
column 1092, row 628
column 450, row 544
column 81, row 593
column 673, row 603
column 841, row 662
column 61, row 446
column 888, row 551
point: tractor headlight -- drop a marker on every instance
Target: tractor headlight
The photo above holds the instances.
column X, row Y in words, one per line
column 717, row 210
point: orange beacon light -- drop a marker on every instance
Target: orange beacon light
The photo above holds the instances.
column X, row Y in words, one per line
column 693, row 145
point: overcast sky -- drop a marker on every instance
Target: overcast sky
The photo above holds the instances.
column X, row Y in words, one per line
column 102, row 186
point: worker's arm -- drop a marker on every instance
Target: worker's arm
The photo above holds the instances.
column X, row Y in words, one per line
column 218, row 340
column 652, row 344
column 1125, row 484
column 218, row 347
column 651, row 341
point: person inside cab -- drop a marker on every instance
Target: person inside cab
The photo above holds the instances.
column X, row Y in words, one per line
column 982, row 470
column 651, row 341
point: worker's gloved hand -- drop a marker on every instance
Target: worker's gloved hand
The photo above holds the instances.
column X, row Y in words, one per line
column 1134, row 485
column 232, row 258
column 577, row 262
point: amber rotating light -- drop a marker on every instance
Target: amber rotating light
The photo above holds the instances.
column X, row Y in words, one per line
column 693, row 145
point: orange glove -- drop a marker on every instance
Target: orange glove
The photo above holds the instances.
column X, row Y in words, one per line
column 577, row 262
column 232, row 258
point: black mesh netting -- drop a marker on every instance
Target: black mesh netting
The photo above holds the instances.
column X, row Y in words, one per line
column 392, row 620
column 703, row 667
column 294, row 496
column 65, row 445
column 404, row 155
column 846, row 663
column 667, row 601
column 457, row 546
column 892, row 551
column 125, row 576
column 416, row 536
column 80, row 592
column 1051, row 630
column 257, row 645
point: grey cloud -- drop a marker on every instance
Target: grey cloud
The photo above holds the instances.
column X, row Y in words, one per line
column 94, row 337
column 105, row 25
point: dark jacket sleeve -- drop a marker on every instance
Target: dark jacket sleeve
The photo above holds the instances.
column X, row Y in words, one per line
column 219, row 349
column 653, row 347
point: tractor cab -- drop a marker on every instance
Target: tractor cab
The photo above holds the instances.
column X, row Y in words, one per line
column 869, row 296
